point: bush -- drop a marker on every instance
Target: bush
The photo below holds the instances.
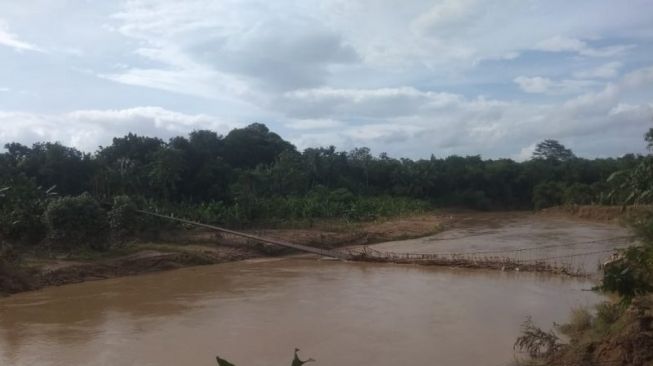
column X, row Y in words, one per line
column 643, row 226
column 476, row 200
column 318, row 204
column 21, row 206
column 547, row 194
column 578, row 194
column 123, row 218
column 607, row 314
column 581, row 320
column 630, row 275
column 76, row 222
column 12, row 277
column 539, row 345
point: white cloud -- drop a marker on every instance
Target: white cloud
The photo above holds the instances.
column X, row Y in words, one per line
column 525, row 153
column 447, row 13
column 422, row 77
column 88, row 129
column 606, row 71
column 313, row 124
column 255, row 50
column 452, row 124
column 542, row 85
column 639, row 77
column 189, row 79
column 534, row 84
column 11, row 40
column 217, row 49
column 561, row 44
column 623, row 107
column 378, row 103
column 382, row 132
column 569, row 44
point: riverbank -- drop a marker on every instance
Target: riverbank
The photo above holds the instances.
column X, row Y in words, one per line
column 611, row 333
column 252, row 312
column 596, row 213
column 519, row 236
column 191, row 247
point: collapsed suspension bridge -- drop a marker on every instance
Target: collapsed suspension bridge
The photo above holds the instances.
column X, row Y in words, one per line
column 465, row 259
column 303, row 248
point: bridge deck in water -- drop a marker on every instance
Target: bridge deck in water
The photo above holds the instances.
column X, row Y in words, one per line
column 463, row 259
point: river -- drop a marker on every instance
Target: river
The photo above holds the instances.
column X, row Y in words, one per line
column 256, row 312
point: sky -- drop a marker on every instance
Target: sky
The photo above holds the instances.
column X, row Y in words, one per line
column 410, row 78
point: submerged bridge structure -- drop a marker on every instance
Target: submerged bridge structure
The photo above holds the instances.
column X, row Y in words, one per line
column 478, row 259
column 303, row 248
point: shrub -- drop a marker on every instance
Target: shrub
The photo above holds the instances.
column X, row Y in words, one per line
column 476, row 200
column 13, row 278
column 539, row 345
column 630, row 275
column 123, row 218
column 643, row 225
column 579, row 194
column 77, row 221
column 547, row 194
column 21, row 206
column 581, row 320
column 607, row 314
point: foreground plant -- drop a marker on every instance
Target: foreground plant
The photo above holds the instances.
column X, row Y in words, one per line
column 295, row 362
column 538, row 344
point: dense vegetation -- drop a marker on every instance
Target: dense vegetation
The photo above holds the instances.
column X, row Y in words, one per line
column 56, row 199
column 252, row 175
column 616, row 332
column 68, row 200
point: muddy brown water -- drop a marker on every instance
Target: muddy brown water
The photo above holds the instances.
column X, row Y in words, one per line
column 256, row 312
column 524, row 237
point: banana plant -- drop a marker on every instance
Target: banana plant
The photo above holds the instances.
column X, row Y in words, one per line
column 633, row 186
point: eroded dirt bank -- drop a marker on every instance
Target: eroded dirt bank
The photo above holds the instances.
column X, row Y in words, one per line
column 458, row 231
column 609, row 214
column 191, row 247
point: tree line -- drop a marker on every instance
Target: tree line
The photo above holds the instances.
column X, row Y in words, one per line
column 253, row 175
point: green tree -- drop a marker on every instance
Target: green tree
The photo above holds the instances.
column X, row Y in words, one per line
column 552, row 150
column 253, row 145
column 632, row 273
column 548, row 194
column 75, row 222
column 22, row 204
column 126, row 165
column 206, row 175
column 579, row 194
column 53, row 164
column 124, row 221
column 165, row 172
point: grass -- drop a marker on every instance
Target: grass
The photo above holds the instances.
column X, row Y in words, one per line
column 87, row 254
column 13, row 278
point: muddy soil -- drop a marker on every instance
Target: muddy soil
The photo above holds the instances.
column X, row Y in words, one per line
column 525, row 238
column 193, row 247
column 609, row 214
